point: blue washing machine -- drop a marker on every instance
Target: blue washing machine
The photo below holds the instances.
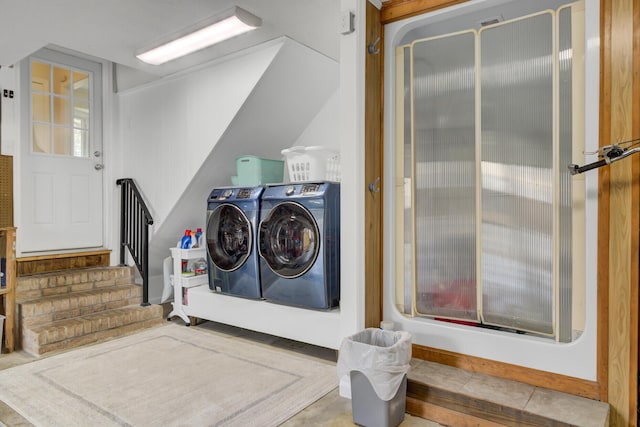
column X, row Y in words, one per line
column 299, row 244
column 232, row 223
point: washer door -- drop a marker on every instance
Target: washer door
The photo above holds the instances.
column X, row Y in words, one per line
column 289, row 240
column 229, row 237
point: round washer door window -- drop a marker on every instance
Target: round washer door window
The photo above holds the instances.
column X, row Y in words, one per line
column 289, row 240
column 229, row 237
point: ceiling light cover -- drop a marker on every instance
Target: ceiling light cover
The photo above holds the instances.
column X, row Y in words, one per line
column 222, row 27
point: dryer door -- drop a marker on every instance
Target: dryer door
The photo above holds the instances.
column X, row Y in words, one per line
column 289, row 240
column 229, row 237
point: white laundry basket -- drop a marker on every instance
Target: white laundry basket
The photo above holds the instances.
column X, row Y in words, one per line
column 315, row 163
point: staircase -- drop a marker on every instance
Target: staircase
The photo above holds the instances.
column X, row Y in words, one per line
column 70, row 308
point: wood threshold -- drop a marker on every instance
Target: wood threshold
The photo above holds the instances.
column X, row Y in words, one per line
column 534, row 377
column 63, row 255
column 63, row 261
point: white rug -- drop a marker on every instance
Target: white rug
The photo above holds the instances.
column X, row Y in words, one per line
column 167, row 376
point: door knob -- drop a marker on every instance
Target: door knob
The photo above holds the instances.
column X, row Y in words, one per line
column 98, row 166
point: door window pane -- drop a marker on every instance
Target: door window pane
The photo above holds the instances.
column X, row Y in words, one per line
column 40, row 77
column 62, row 141
column 80, row 143
column 81, row 85
column 61, row 81
column 41, row 108
column 41, row 138
column 60, row 110
column 80, row 114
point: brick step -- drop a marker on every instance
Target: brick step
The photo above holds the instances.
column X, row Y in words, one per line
column 71, row 304
column 89, row 328
column 66, row 309
column 82, row 279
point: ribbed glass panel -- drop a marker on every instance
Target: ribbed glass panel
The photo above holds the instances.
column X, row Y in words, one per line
column 445, row 176
column 565, row 57
column 516, row 172
column 408, row 227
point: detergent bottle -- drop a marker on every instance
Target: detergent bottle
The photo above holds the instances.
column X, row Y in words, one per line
column 199, row 236
column 186, row 240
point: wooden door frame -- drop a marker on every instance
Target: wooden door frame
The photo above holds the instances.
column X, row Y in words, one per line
column 618, row 213
column 374, row 220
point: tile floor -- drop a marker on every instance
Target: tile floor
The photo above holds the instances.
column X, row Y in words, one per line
column 335, row 411
column 330, row 411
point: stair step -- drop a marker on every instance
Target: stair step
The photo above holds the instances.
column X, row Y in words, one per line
column 66, row 309
column 89, row 328
column 453, row 396
column 82, row 279
column 72, row 304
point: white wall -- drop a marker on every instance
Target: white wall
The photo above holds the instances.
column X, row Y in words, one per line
column 323, row 129
column 352, row 233
column 576, row 359
column 169, row 127
column 10, row 111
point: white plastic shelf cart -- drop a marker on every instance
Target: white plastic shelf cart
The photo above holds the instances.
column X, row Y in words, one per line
column 183, row 283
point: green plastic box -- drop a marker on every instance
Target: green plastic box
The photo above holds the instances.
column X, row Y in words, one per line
column 252, row 171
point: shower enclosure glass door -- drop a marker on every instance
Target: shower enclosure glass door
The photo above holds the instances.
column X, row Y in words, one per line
column 485, row 126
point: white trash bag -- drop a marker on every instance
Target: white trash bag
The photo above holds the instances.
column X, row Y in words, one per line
column 382, row 356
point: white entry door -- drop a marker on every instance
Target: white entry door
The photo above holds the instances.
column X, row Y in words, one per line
column 61, row 153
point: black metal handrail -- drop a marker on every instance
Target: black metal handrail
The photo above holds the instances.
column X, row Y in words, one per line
column 135, row 220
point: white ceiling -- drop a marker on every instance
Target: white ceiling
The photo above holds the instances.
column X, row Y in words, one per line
column 116, row 29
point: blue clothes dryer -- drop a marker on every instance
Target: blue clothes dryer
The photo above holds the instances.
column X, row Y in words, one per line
column 299, row 244
column 232, row 222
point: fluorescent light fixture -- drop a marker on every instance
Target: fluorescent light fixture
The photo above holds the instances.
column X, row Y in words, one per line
column 222, row 27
